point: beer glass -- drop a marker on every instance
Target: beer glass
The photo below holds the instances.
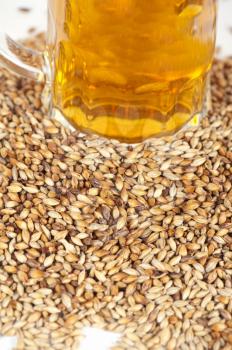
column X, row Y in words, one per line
column 124, row 69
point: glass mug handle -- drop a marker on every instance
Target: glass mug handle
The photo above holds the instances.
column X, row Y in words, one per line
column 21, row 60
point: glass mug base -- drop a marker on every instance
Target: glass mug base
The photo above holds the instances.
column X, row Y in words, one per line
column 192, row 121
column 133, row 130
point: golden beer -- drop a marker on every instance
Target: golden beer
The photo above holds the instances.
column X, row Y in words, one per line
column 131, row 69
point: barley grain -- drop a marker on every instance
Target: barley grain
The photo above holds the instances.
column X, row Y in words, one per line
column 99, row 234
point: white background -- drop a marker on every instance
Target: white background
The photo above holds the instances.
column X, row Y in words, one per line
column 17, row 23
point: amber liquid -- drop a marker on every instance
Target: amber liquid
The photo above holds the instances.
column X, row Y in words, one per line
column 131, row 69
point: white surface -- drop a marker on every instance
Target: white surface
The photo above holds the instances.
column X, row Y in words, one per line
column 17, row 24
column 93, row 339
column 224, row 26
column 7, row 343
column 97, row 339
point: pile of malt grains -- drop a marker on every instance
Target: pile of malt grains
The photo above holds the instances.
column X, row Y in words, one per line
column 95, row 233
